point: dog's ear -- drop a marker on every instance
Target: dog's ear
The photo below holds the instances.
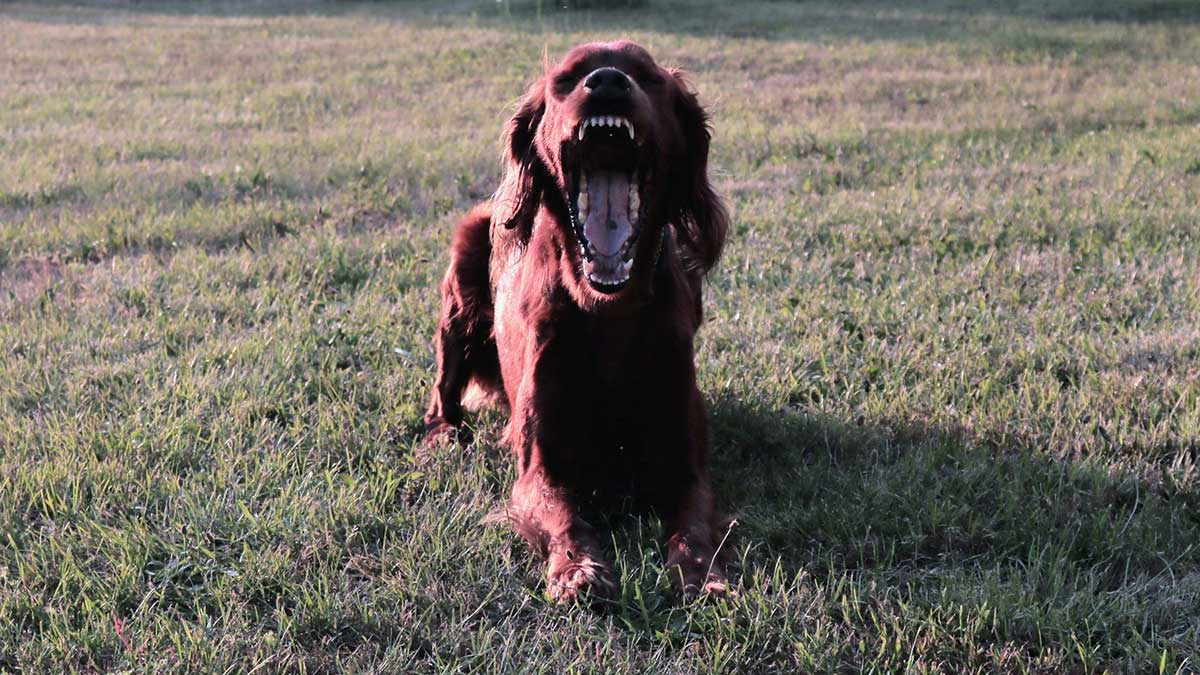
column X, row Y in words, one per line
column 516, row 200
column 699, row 215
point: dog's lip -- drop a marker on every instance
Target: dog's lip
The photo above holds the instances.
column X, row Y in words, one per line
column 609, row 280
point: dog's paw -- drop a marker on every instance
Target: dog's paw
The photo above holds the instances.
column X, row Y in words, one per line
column 440, row 432
column 695, row 575
column 692, row 584
column 715, row 586
column 575, row 576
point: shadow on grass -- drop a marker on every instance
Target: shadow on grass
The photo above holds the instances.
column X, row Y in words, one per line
column 818, row 494
column 846, row 523
column 928, row 513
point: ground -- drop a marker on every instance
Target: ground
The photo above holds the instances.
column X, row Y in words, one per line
column 952, row 353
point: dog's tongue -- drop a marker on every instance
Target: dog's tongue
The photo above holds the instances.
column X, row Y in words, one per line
column 607, row 225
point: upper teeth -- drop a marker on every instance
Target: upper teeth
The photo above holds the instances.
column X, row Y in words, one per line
column 606, row 121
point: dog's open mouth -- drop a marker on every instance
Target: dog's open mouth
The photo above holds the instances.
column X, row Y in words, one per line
column 605, row 199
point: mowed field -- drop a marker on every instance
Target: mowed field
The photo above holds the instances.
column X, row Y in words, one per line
column 952, row 353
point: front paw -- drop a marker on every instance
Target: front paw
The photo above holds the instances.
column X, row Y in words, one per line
column 693, row 581
column 439, row 431
column 573, row 574
column 695, row 573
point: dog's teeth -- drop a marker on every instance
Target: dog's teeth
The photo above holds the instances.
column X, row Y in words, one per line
column 635, row 202
column 583, row 205
column 582, row 128
column 626, row 266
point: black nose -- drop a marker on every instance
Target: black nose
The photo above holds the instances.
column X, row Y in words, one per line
column 607, row 83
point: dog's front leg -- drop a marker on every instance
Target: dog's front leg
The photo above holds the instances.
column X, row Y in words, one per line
column 691, row 543
column 542, row 512
column 686, row 503
column 542, row 508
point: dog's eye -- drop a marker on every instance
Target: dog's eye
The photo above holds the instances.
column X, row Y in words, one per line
column 564, row 83
column 648, row 78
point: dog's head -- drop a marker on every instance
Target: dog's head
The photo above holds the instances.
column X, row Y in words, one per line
column 617, row 148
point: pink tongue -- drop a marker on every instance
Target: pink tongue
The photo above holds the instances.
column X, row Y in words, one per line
column 607, row 226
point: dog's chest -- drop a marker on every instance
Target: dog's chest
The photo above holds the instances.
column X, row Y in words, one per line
column 612, row 356
column 504, row 292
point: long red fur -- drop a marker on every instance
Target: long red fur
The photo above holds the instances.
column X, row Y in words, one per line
column 601, row 387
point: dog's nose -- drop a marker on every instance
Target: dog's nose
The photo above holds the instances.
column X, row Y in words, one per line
column 607, row 83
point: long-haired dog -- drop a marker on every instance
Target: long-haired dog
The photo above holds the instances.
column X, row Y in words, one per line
column 573, row 295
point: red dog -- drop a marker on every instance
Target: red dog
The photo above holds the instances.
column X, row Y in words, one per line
column 574, row 295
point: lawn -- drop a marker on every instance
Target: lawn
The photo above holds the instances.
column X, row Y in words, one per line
column 952, row 353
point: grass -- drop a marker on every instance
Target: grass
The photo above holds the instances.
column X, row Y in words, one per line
column 952, row 360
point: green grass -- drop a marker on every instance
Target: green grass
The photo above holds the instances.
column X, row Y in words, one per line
column 952, row 359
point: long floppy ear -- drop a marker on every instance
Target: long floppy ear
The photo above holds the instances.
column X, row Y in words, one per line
column 699, row 215
column 516, row 200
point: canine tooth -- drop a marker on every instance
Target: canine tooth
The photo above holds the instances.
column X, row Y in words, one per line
column 582, row 128
column 627, row 265
column 635, row 202
column 583, row 204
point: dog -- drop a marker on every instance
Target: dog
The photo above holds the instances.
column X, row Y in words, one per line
column 573, row 296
